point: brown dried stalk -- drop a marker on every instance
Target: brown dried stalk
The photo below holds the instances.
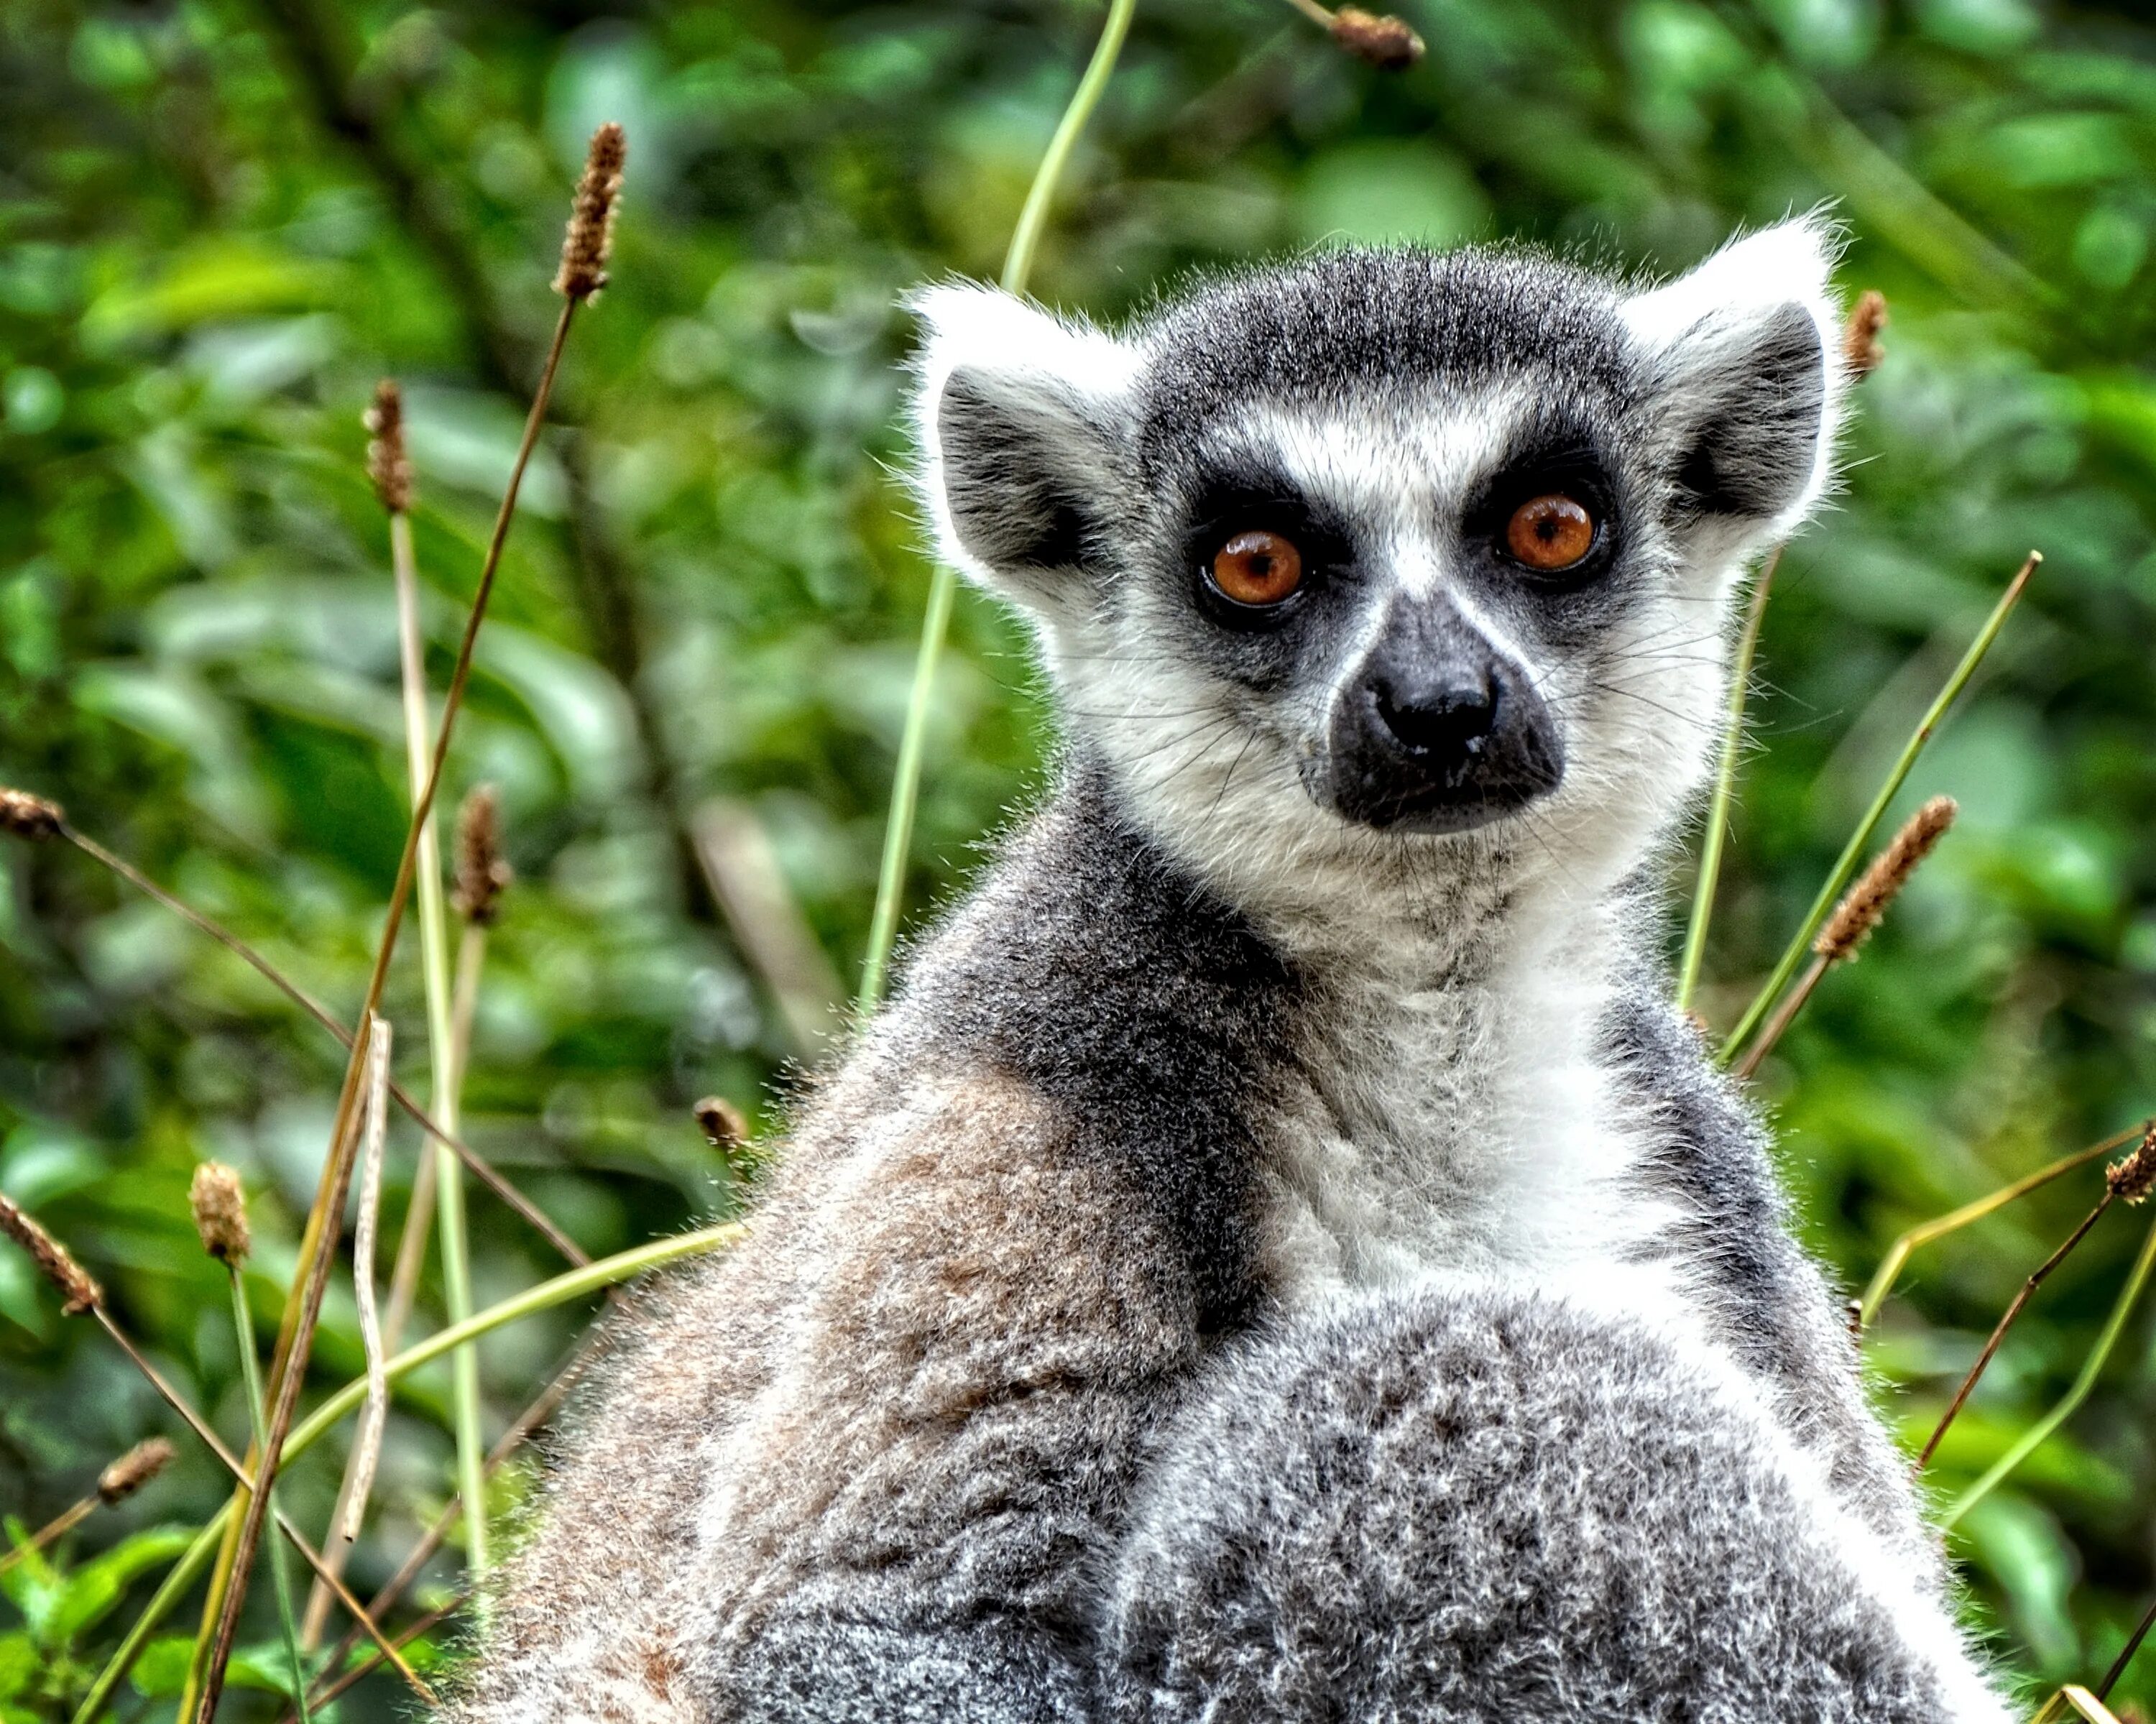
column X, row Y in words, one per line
column 386, row 463
column 1859, row 341
column 1855, row 917
column 118, row 1482
column 220, row 1212
column 722, row 1125
column 589, row 240
column 483, row 872
column 1384, row 41
column 317, row 1245
column 33, row 817
column 319, row 1697
column 81, row 1295
column 2129, row 1179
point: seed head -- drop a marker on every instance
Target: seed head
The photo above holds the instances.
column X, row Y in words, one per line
column 28, row 816
column 80, row 1292
column 590, row 235
column 1386, row 42
column 2134, row 1178
column 1864, row 903
column 1860, row 338
column 386, row 463
column 220, row 1207
column 134, row 1469
column 483, row 872
column 722, row 1125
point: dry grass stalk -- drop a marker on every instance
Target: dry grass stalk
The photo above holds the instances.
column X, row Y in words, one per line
column 220, row 1212
column 1855, row 916
column 118, row 1482
column 1865, row 903
column 78, row 1291
column 317, row 1245
column 367, row 1445
column 134, row 1469
column 386, row 463
column 2036, row 1279
column 1386, row 42
column 2132, row 1179
column 27, row 815
column 1859, row 341
column 84, row 1295
column 481, row 1169
column 483, row 872
column 589, row 240
column 722, row 1125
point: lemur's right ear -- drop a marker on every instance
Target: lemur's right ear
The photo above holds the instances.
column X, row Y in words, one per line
column 1024, row 432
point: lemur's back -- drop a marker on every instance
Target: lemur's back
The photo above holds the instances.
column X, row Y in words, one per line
column 1307, row 1045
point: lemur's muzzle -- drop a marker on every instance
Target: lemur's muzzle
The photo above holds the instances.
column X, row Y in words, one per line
column 1437, row 730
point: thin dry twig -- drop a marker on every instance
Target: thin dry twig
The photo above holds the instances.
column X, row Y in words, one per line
column 1855, row 916
column 316, row 1247
column 119, row 1481
column 1384, row 41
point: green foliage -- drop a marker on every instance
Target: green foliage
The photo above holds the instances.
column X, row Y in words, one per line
column 715, row 586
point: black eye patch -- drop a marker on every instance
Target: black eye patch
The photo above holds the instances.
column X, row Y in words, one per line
column 1224, row 506
column 1549, row 462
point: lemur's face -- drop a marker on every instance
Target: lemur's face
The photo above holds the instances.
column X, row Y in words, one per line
column 1390, row 544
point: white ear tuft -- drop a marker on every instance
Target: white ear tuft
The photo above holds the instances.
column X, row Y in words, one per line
column 1023, row 418
column 1745, row 354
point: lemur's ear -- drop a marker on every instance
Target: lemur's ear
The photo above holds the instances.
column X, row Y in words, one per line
column 1025, row 429
column 1747, row 374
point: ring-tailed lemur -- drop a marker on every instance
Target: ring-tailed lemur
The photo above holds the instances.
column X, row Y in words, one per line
column 1281, row 1256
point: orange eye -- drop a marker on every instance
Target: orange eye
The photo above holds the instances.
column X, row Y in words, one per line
column 1257, row 568
column 1550, row 533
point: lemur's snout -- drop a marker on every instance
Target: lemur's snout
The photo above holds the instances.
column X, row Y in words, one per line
column 1437, row 730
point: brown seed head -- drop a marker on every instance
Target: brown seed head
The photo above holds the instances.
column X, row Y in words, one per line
column 1386, row 42
column 80, row 1293
column 28, row 816
column 2134, row 1178
column 1859, row 339
column 1864, row 903
column 483, row 872
column 134, row 1469
column 220, row 1207
column 590, row 235
column 722, row 1125
column 386, row 463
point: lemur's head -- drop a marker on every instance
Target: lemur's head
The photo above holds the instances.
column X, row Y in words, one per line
column 1391, row 555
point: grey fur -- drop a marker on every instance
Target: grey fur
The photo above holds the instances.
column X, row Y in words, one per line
column 1258, row 1250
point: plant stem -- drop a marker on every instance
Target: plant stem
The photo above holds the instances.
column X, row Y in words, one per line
column 258, row 1413
column 441, row 1042
column 1725, row 785
column 591, row 1278
column 1785, row 1013
column 1853, row 851
column 481, row 1169
column 317, row 1242
column 943, row 583
column 2036, row 1280
column 2037, row 1434
column 1890, row 1266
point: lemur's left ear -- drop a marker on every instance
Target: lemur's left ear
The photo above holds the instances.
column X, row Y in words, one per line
column 1024, row 422
column 1747, row 374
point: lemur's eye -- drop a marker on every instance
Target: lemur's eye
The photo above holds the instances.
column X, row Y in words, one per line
column 1257, row 568
column 1550, row 533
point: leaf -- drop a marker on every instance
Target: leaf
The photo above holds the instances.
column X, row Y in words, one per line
column 90, row 1593
column 19, row 1663
column 162, row 1670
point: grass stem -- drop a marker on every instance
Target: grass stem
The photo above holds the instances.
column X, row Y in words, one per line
column 943, row 583
column 257, row 1413
column 1853, row 851
column 1725, row 785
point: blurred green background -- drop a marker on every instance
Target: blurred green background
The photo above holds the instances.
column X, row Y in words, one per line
column 221, row 222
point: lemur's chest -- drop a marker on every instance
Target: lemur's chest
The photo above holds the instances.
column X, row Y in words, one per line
column 1455, row 1131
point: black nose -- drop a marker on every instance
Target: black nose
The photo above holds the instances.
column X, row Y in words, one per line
column 1449, row 718
column 1438, row 730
